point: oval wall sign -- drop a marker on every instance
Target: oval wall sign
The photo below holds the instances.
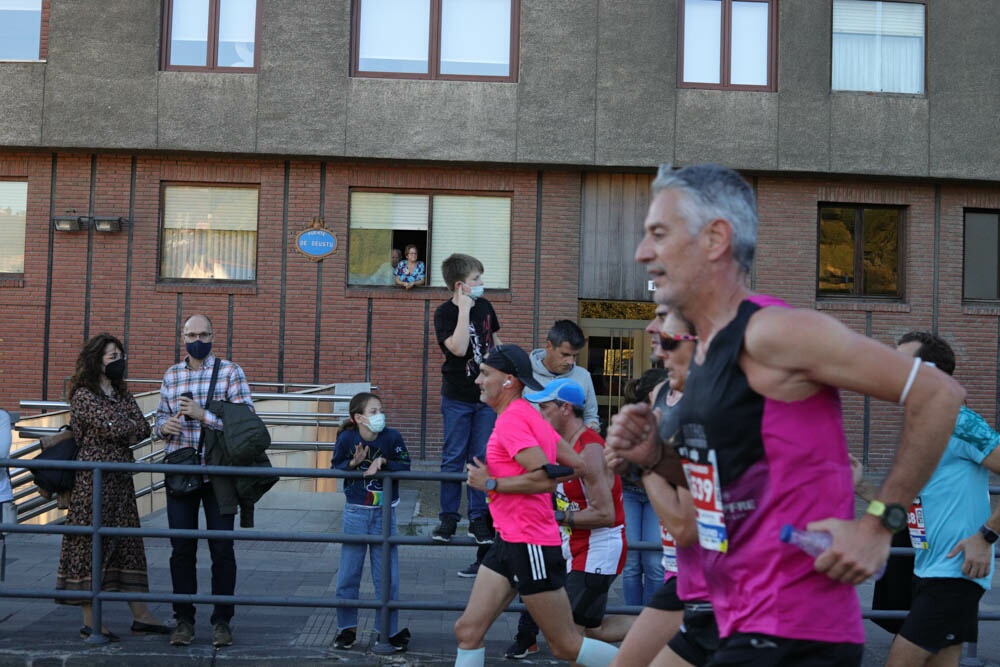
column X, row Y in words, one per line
column 316, row 242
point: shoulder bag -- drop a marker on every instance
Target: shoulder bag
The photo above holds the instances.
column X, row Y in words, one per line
column 186, row 483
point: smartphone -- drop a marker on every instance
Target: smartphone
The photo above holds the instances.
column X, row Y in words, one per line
column 188, row 394
column 553, row 470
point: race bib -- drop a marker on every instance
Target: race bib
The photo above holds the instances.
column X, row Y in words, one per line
column 918, row 532
column 669, row 551
column 703, row 482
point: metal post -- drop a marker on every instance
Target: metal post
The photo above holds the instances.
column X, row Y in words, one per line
column 970, row 657
column 96, row 561
column 382, row 646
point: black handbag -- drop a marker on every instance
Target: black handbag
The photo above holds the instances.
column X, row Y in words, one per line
column 52, row 480
column 186, row 483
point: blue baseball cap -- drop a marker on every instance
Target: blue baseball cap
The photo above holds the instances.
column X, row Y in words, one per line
column 563, row 389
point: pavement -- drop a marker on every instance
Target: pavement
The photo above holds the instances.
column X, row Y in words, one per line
column 37, row 632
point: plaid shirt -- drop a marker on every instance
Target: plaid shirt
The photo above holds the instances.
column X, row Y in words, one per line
column 231, row 385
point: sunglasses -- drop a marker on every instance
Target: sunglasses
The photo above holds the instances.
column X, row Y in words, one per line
column 670, row 342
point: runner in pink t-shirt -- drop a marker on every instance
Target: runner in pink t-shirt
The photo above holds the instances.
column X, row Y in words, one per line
column 526, row 556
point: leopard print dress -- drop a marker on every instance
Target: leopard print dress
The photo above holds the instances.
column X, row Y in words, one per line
column 104, row 427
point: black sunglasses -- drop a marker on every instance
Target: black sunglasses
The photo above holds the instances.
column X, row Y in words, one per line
column 670, row 342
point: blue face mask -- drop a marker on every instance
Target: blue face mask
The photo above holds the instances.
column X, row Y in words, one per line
column 376, row 422
column 476, row 291
column 198, row 349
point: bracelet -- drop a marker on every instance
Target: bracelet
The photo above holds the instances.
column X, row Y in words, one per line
column 659, row 460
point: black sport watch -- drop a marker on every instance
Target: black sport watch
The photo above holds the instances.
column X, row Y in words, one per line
column 491, row 484
column 990, row 535
column 894, row 516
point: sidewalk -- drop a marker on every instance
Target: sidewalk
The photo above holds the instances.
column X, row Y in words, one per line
column 39, row 632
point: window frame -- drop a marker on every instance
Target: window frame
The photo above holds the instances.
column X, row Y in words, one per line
column 434, row 49
column 43, row 37
column 980, row 300
column 19, row 275
column 725, row 71
column 213, row 42
column 858, row 259
column 926, row 57
column 165, row 280
column 430, row 193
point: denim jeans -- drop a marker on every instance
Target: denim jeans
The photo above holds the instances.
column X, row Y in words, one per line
column 467, row 427
column 182, row 512
column 359, row 520
column 643, row 573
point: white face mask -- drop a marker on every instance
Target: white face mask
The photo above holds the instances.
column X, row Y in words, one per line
column 476, row 291
column 376, row 422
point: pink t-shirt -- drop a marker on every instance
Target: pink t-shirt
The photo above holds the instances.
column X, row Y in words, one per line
column 519, row 517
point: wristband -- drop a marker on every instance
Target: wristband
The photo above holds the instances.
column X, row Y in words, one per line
column 659, row 459
column 990, row 535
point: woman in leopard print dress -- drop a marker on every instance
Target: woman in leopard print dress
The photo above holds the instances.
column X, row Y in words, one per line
column 106, row 421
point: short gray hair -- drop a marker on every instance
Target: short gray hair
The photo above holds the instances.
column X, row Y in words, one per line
column 712, row 192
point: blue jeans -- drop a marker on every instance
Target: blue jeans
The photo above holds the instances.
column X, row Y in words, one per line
column 643, row 573
column 182, row 512
column 467, row 427
column 359, row 520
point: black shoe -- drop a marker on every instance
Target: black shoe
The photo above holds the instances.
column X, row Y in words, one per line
column 183, row 634
column 401, row 640
column 446, row 529
column 85, row 632
column 345, row 639
column 480, row 530
column 523, row 646
column 470, row 571
column 140, row 628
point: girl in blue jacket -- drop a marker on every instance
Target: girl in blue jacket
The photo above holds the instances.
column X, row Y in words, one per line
column 365, row 443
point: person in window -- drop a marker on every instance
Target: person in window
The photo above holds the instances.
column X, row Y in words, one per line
column 385, row 274
column 106, row 423
column 410, row 272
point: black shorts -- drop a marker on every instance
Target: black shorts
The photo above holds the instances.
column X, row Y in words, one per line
column 529, row 568
column 698, row 639
column 944, row 612
column 588, row 595
column 665, row 598
column 756, row 650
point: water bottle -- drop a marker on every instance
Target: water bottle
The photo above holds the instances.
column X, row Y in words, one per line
column 814, row 542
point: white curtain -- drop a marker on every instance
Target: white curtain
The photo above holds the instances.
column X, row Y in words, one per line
column 209, row 233
column 878, row 46
column 477, row 226
column 13, row 212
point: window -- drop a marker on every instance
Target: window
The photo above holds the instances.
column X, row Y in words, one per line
column 878, row 46
column 13, row 216
column 981, row 265
column 438, row 224
column 436, row 39
column 209, row 233
column 20, row 29
column 859, row 250
column 215, row 35
column 728, row 44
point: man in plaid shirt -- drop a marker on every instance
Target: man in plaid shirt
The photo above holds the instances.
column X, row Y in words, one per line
column 179, row 420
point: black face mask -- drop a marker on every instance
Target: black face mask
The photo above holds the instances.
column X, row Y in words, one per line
column 115, row 370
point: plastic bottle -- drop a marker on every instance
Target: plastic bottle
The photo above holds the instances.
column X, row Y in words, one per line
column 814, row 542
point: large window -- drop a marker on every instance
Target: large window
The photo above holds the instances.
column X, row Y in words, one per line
column 859, row 250
column 218, row 35
column 728, row 44
column 438, row 224
column 20, row 29
column 436, row 39
column 981, row 261
column 209, row 233
column 878, row 46
column 13, row 215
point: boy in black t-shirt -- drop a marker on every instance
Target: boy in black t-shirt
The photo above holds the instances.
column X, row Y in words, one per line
column 466, row 327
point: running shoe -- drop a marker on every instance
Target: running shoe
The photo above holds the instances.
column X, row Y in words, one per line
column 523, row 646
column 446, row 529
column 480, row 530
column 345, row 639
column 470, row 571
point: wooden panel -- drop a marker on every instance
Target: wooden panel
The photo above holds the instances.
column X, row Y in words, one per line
column 614, row 206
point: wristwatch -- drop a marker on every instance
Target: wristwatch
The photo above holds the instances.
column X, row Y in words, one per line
column 560, row 516
column 893, row 516
column 990, row 535
column 491, row 484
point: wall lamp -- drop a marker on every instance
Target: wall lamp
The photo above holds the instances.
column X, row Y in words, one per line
column 109, row 223
column 69, row 223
